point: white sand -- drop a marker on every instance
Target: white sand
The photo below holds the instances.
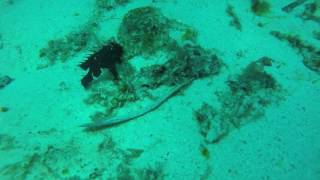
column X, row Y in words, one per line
column 44, row 115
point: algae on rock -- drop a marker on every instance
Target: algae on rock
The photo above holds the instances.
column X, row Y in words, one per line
column 143, row 31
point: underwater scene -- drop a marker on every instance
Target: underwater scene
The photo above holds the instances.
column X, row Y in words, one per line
column 159, row 90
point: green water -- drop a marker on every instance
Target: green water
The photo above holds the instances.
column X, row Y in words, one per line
column 160, row 89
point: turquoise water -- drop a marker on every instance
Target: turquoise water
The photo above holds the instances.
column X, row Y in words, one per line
column 159, row 89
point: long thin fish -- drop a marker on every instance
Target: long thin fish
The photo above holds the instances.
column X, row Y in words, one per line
column 121, row 119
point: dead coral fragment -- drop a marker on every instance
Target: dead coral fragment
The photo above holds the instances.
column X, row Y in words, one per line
column 260, row 7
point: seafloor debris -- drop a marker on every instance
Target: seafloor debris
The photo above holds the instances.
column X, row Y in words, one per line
column 143, row 32
column 235, row 21
column 189, row 62
column 260, row 7
column 245, row 101
column 4, row 81
column 108, row 57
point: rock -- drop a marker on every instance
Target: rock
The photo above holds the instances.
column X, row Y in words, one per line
column 144, row 30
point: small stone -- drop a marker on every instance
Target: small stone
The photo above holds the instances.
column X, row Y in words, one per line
column 4, row 81
column 4, row 109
